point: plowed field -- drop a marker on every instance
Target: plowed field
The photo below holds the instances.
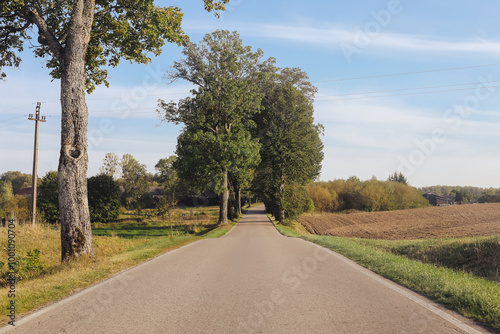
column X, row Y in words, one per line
column 433, row 222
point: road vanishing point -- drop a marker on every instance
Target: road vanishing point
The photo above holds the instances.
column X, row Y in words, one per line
column 252, row 280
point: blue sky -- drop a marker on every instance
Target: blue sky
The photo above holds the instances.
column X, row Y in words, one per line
column 434, row 65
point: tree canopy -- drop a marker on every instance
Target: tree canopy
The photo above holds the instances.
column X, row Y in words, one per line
column 134, row 181
column 291, row 149
column 127, row 29
column 216, row 139
column 17, row 179
column 79, row 38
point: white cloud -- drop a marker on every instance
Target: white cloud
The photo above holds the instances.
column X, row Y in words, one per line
column 356, row 36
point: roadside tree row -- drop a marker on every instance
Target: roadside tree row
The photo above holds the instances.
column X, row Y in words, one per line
column 246, row 123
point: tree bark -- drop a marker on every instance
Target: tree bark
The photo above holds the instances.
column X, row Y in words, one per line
column 76, row 232
column 224, row 201
column 237, row 193
column 280, row 214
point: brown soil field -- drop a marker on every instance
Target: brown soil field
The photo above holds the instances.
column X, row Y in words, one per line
column 470, row 220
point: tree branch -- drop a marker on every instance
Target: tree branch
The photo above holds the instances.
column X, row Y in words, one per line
column 10, row 29
column 48, row 37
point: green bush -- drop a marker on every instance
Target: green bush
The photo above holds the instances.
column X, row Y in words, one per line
column 371, row 195
column 296, row 200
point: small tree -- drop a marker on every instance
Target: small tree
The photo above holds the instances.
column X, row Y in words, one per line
column 110, row 165
column 398, row 177
column 165, row 206
column 135, row 180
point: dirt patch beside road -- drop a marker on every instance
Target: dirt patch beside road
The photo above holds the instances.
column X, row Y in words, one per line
column 426, row 223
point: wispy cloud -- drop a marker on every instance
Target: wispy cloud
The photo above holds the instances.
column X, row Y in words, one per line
column 333, row 37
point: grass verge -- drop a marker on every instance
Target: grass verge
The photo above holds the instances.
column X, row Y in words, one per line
column 117, row 248
column 472, row 296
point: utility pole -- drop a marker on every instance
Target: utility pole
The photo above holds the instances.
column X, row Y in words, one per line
column 35, row 160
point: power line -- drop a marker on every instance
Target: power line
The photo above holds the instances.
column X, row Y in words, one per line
column 406, row 73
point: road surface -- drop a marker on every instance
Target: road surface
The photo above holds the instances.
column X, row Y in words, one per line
column 252, row 280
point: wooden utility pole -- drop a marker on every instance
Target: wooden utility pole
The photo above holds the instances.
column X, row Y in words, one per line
column 35, row 160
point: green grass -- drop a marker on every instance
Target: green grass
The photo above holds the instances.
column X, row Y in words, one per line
column 473, row 296
column 150, row 230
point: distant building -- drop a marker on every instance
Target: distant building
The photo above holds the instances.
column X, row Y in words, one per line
column 439, row 200
column 26, row 192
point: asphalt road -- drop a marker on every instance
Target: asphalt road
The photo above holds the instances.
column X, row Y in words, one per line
column 252, row 280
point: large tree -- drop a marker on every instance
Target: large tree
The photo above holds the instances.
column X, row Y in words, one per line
column 217, row 117
column 291, row 149
column 78, row 38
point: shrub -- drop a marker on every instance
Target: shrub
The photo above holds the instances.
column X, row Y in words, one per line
column 371, row 195
column 296, row 201
column 324, row 200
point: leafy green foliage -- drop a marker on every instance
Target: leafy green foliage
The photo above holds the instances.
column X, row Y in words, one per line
column 79, row 38
column 126, row 29
column 216, row 140
column 110, row 165
column 371, row 195
column 48, row 200
column 467, row 193
column 291, row 149
column 6, row 197
column 104, row 198
column 17, row 179
column 135, row 180
column 30, row 266
column 398, row 177
column 166, row 175
column 296, row 200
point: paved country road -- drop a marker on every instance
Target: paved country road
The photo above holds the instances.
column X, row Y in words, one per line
column 252, row 280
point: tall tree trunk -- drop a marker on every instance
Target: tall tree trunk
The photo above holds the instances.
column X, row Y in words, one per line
column 76, row 232
column 237, row 193
column 280, row 214
column 224, row 200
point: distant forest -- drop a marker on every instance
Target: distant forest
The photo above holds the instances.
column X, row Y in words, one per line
column 462, row 194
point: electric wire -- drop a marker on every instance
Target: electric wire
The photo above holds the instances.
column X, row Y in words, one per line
column 319, row 97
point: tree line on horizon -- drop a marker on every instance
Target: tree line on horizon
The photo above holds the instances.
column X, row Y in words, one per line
column 466, row 193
